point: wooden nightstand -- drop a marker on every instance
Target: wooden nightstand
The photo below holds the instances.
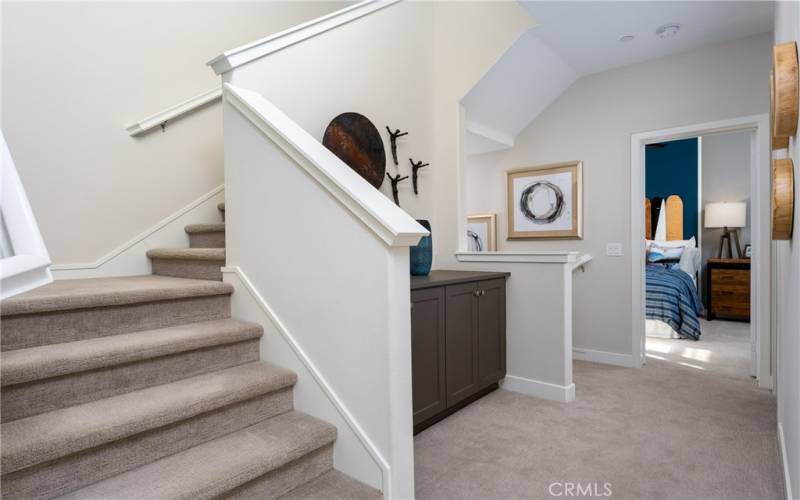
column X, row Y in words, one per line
column 728, row 288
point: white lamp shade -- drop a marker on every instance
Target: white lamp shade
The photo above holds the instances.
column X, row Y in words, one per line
column 726, row 214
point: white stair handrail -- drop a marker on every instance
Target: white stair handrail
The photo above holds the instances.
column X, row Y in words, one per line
column 28, row 266
column 388, row 221
column 162, row 117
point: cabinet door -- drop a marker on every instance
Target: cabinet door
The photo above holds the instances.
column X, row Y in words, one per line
column 461, row 341
column 491, row 331
column 427, row 353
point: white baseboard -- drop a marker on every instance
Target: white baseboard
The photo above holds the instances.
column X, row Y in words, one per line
column 608, row 358
column 787, row 479
column 539, row 389
column 355, row 453
column 129, row 258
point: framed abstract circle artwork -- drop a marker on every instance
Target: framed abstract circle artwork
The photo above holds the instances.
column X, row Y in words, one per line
column 545, row 201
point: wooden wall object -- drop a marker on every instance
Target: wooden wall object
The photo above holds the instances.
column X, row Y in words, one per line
column 778, row 142
column 674, row 218
column 648, row 223
column 785, row 89
column 782, row 199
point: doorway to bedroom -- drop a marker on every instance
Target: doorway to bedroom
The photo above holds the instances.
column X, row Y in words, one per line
column 697, row 253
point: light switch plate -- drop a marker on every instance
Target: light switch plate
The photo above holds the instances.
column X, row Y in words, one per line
column 614, row 249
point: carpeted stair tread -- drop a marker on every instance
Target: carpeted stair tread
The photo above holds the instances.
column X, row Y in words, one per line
column 62, row 295
column 205, row 228
column 211, row 469
column 333, row 485
column 40, row 438
column 187, row 253
column 37, row 363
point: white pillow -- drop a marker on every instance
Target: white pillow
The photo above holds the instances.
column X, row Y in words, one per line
column 690, row 243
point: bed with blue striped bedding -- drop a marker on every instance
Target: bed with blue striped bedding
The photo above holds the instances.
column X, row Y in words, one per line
column 671, row 297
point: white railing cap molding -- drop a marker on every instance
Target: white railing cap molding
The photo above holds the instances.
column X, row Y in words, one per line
column 175, row 111
column 536, row 257
column 234, row 58
column 394, row 226
column 581, row 261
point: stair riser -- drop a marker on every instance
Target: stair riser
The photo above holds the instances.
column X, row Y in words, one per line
column 286, row 478
column 24, row 400
column 75, row 471
column 194, row 269
column 23, row 331
column 207, row 240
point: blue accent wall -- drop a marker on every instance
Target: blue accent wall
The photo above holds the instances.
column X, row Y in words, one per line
column 672, row 169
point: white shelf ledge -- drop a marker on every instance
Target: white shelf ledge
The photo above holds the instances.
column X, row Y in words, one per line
column 536, row 257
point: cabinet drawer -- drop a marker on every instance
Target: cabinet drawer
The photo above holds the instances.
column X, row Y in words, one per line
column 734, row 296
column 731, row 309
column 722, row 277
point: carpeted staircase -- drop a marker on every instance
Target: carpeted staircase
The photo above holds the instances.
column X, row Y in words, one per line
column 144, row 387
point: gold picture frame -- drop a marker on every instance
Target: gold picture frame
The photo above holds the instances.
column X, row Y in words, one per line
column 482, row 240
column 564, row 214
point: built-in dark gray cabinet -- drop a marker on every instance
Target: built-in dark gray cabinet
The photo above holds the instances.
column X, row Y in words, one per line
column 458, row 340
column 427, row 339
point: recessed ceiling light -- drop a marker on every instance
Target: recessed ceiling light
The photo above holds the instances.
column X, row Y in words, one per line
column 668, row 30
column 626, row 38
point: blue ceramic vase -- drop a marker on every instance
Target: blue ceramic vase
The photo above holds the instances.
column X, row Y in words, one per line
column 422, row 253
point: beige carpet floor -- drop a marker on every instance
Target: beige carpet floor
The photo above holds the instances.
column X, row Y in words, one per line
column 696, row 430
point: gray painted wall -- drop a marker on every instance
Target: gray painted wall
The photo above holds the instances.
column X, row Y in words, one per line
column 593, row 121
column 725, row 177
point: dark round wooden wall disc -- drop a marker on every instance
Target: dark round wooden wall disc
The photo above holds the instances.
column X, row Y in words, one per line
column 357, row 142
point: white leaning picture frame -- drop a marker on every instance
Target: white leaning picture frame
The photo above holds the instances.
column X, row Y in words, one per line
column 482, row 233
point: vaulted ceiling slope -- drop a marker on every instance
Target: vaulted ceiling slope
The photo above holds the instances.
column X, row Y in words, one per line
column 519, row 86
column 577, row 38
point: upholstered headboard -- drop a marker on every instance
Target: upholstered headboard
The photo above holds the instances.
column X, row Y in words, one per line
column 673, row 217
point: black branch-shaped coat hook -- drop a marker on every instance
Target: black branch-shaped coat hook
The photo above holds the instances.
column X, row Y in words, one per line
column 395, row 181
column 393, row 139
column 414, row 168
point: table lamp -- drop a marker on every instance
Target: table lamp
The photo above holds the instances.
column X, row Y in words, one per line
column 726, row 216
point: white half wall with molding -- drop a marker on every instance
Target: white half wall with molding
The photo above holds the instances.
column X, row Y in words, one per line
column 539, row 319
column 75, row 74
column 592, row 121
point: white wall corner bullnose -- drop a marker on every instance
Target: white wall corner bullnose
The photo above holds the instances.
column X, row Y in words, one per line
column 244, row 54
column 388, row 221
column 535, row 257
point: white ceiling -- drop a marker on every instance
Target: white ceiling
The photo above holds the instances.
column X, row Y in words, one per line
column 586, row 33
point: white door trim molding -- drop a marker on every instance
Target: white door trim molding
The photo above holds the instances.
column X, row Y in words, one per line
column 760, row 232
column 244, row 54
